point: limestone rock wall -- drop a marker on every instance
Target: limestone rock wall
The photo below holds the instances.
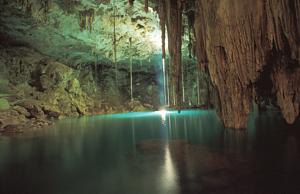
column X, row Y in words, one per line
column 34, row 81
column 238, row 41
column 35, row 89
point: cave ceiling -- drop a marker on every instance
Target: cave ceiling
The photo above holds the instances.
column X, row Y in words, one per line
column 74, row 31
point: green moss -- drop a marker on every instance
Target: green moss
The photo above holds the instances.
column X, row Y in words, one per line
column 4, row 105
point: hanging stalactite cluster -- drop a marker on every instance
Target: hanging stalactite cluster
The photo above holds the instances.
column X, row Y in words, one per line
column 170, row 15
column 238, row 44
column 174, row 31
column 174, row 17
column 86, row 19
column 69, row 5
column 241, row 42
column 232, row 41
column 36, row 9
column 189, row 13
column 26, row 6
column 146, row 6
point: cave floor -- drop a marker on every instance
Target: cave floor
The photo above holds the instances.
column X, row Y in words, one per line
column 153, row 152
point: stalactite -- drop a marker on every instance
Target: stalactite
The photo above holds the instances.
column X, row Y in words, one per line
column 26, row 6
column 287, row 87
column 69, row 5
column 174, row 29
column 45, row 6
column 36, row 9
column 86, row 19
column 170, row 14
column 130, row 2
column 146, row 5
column 190, row 15
column 162, row 22
column 235, row 40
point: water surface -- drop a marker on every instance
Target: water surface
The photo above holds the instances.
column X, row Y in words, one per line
column 153, row 152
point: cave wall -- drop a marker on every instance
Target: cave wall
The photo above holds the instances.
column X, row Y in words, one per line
column 74, row 31
column 237, row 40
column 35, row 89
column 249, row 49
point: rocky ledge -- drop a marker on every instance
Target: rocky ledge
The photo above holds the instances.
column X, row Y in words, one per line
column 35, row 91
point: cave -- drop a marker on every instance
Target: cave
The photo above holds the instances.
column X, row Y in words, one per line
column 149, row 96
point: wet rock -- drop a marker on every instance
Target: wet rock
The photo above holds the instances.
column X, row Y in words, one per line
column 45, row 89
column 37, row 123
column 11, row 117
column 33, row 107
column 13, row 129
column 24, row 91
column 21, row 110
column 148, row 106
column 51, row 113
column 53, row 75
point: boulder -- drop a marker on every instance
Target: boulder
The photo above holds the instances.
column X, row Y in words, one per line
column 33, row 107
column 51, row 111
column 21, row 110
column 11, row 117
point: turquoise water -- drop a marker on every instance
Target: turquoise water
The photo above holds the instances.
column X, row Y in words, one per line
column 153, row 152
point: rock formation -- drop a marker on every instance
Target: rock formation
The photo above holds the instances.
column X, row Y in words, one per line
column 36, row 89
column 242, row 41
column 70, row 53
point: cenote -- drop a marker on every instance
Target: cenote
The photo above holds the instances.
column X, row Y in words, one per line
column 149, row 96
column 153, row 152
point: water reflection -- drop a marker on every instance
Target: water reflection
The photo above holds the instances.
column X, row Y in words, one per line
column 163, row 116
column 169, row 173
column 152, row 152
column 133, row 136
